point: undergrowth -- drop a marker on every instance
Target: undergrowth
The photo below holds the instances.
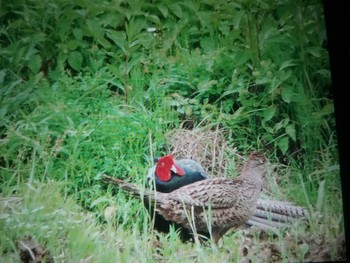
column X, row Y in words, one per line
column 90, row 87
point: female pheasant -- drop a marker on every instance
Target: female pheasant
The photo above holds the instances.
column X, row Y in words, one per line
column 210, row 206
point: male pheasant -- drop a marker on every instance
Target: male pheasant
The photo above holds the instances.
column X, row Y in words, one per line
column 168, row 175
column 211, row 206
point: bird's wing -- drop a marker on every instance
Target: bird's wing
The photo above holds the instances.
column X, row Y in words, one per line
column 215, row 193
column 194, row 165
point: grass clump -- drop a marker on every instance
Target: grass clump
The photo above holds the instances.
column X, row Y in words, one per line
column 66, row 231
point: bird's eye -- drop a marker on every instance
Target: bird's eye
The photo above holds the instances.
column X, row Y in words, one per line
column 261, row 161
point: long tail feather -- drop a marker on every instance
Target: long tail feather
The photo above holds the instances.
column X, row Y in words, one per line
column 265, row 223
column 274, row 217
column 282, row 208
column 273, row 214
column 136, row 191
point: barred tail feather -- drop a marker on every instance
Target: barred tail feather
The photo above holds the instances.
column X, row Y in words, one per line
column 273, row 214
column 136, row 191
column 265, row 223
column 282, row 208
column 274, row 217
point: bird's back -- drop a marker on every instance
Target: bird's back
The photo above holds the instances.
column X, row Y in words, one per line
column 226, row 203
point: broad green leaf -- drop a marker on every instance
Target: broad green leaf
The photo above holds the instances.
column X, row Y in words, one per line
column 75, row 60
column 2, row 75
column 134, row 27
column 285, row 74
column 163, row 9
column 276, row 83
column 119, row 38
column 104, row 43
column 116, row 36
column 269, row 112
column 263, row 80
column 38, row 77
column 3, row 111
column 176, row 9
column 283, row 144
column 288, row 63
column 304, row 248
column 73, row 44
column 94, row 29
column 328, row 109
column 35, row 63
column 320, row 196
column 77, row 33
column 237, row 18
column 290, row 130
column 99, row 201
column 135, row 43
column 325, row 73
column 287, row 94
column 315, row 51
column 283, row 123
column 146, row 39
column 134, row 60
column 113, row 19
column 154, row 19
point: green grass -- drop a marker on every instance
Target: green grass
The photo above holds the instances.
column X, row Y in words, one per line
column 70, row 233
column 51, row 165
column 86, row 90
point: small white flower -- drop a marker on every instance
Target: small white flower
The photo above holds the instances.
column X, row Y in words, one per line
column 151, row 29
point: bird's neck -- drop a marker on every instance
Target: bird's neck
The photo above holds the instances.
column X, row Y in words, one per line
column 253, row 174
column 177, row 181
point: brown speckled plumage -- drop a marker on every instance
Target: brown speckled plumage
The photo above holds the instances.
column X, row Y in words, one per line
column 219, row 203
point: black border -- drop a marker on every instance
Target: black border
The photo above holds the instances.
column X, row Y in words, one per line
column 338, row 33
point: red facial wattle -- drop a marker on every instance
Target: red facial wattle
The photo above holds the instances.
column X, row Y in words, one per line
column 163, row 173
column 164, row 167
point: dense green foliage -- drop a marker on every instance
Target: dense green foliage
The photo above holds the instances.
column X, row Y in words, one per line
column 88, row 87
column 260, row 65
